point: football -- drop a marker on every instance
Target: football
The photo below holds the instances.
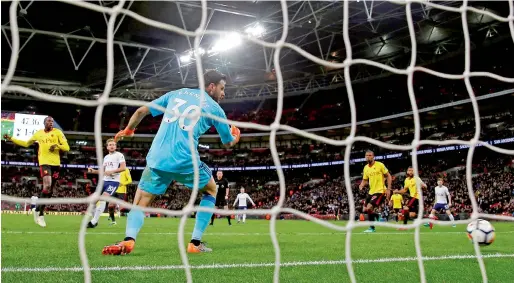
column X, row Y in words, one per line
column 481, row 232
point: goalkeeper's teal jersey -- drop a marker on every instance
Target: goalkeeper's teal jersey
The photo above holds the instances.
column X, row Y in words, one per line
column 170, row 149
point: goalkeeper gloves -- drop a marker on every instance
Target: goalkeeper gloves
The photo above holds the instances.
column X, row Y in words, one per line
column 124, row 133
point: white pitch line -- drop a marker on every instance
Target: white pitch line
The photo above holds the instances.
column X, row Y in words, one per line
column 243, row 234
column 249, row 265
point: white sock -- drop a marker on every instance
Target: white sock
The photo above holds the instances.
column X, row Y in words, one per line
column 244, row 217
column 99, row 210
column 451, row 217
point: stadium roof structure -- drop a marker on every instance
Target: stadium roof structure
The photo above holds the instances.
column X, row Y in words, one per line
column 63, row 50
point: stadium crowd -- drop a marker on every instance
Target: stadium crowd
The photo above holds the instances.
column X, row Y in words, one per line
column 321, row 191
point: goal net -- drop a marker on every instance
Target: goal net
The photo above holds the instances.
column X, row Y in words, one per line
column 279, row 45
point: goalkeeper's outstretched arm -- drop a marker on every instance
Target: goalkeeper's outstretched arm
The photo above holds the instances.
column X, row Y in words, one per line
column 134, row 121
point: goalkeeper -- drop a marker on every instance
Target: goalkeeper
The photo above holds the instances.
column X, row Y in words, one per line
column 170, row 156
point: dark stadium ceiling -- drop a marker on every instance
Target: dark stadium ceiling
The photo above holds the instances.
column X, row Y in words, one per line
column 63, row 46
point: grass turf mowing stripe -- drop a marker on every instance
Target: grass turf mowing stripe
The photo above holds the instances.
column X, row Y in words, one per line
column 252, row 265
column 245, row 234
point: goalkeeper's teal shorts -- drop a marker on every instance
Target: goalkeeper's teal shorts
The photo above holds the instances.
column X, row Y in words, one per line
column 156, row 182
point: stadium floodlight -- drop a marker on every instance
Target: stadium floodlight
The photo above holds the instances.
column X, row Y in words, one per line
column 256, row 30
column 227, row 42
column 200, row 51
column 185, row 59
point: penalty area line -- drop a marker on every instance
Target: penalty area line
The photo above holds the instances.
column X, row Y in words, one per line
column 251, row 265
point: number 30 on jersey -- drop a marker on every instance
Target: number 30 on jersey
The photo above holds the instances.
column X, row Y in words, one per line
column 181, row 116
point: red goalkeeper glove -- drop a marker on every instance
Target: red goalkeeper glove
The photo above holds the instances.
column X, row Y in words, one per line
column 123, row 133
column 236, row 133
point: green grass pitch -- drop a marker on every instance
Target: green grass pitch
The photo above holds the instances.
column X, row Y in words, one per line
column 244, row 253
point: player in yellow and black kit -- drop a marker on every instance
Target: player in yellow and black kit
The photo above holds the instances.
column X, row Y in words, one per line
column 51, row 142
column 412, row 205
column 374, row 173
column 121, row 192
column 397, row 203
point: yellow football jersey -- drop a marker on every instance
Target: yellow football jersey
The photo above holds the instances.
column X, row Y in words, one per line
column 45, row 140
column 375, row 174
column 410, row 184
column 397, row 200
column 125, row 179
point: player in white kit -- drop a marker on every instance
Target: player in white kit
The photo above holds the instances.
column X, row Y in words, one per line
column 114, row 164
column 241, row 198
column 441, row 201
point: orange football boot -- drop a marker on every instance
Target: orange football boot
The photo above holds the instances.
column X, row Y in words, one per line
column 201, row 248
column 120, row 248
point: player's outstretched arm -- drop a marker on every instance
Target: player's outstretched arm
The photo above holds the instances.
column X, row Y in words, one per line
column 402, row 191
column 92, row 171
column 248, row 196
column 27, row 143
column 134, row 121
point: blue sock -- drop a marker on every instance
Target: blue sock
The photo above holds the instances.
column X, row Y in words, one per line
column 135, row 221
column 203, row 218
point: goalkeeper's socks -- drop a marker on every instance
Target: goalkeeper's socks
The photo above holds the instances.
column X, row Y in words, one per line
column 202, row 217
column 228, row 218
column 135, row 221
column 405, row 217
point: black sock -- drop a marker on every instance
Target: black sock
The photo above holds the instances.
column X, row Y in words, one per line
column 405, row 217
column 41, row 207
column 195, row 242
column 228, row 218
column 129, row 239
column 111, row 213
column 396, row 217
column 371, row 218
column 212, row 218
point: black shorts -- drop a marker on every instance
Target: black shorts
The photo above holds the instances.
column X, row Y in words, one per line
column 119, row 195
column 375, row 199
column 221, row 202
column 413, row 204
column 397, row 210
column 49, row 170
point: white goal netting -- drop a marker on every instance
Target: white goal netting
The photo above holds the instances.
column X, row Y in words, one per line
column 275, row 126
